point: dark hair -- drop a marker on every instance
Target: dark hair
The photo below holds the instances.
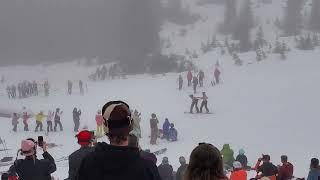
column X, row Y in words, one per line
column 205, row 164
column 117, row 139
column 266, row 157
column 133, row 141
column 314, row 163
column 284, row 158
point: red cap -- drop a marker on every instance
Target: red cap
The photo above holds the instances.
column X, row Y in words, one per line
column 84, row 137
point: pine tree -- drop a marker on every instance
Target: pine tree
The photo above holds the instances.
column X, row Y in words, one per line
column 277, row 48
column 214, row 42
column 293, row 17
column 260, row 41
column 243, row 27
column 315, row 15
column 230, row 15
column 259, row 56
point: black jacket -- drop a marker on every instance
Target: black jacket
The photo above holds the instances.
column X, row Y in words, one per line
column 149, row 156
column 165, row 171
column 268, row 169
column 108, row 162
column 243, row 160
column 76, row 115
column 35, row 169
column 75, row 160
column 180, row 172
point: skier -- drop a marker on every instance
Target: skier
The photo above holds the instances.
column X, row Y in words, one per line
column 103, row 72
column 81, row 87
column 25, row 117
column 136, row 124
column 165, row 129
column 201, row 78
column 15, row 121
column 98, row 73
column 195, row 84
column 217, row 75
column 100, row 128
column 204, row 102
column 49, row 120
column 9, row 92
column 46, row 88
column 189, row 77
column 194, row 104
column 14, row 91
column 242, row 158
column 227, row 154
column 69, row 87
column 76, row 119
column 173, row 133
column 35, row 88
column 154, row 129
column 39, row 119
column 180, row 81
column 165, row 169
column 57, row 120
column 182, row 169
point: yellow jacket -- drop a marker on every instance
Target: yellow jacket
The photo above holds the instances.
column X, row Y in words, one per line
column 40, row 117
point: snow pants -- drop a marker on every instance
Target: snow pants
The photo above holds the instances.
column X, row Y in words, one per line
column 49, row 126
column 217, row 79
column 56, row 123
column 205, row 105
column 15, row 127
column 194, row 104
column 39, row 124
column 76, row 125
column 154, row 136
column 25, row 123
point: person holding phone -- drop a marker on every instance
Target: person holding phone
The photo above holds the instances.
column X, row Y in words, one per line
column 32, row 168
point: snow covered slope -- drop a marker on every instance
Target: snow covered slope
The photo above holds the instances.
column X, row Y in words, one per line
column 268, row 107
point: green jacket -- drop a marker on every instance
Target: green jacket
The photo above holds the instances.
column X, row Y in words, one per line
column 227, row 154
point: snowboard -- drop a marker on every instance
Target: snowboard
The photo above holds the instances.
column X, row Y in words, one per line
column 199, row 113
column 161, row 151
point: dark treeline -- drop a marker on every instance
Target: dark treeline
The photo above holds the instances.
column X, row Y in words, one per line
column 43, row 30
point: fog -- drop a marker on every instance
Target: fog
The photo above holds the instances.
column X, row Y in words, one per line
column 58, row 30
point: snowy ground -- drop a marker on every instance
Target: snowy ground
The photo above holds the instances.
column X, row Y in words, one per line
column 268, row 107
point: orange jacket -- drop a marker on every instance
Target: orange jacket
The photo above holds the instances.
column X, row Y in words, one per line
column 239, row 175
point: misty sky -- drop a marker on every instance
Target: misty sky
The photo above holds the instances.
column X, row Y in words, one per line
column 41, row 30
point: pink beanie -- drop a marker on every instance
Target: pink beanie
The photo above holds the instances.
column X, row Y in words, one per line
column 27, row 147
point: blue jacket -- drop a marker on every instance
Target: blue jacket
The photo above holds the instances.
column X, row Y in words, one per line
column 314, row 174
column 173, row 134
column 165, row 128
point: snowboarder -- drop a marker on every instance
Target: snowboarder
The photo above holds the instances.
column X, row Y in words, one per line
column 81, row 87
column 39, row 118
column 180, row 81
column 154, row 129
column 69, row 87
column 189, row 78
column 15, row 121
column 165, row 169
column 76, row 119
column 195, row 84
column 136, row 124
column 217, row 75
column 182, row 169
column 204, row 102
column 57, row 120
column 201, row 78
column 165, row 129
column 100, row 128
column 173, row 133
column 46, row 88
column 194, row 103
column 227, row 154
column 49, row 120
column 25, row 117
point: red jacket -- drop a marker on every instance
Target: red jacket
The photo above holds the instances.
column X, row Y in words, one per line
column 239, row 175
column 285, row 171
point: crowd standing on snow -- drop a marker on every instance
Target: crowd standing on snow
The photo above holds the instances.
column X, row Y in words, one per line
column 81, row 87
column 124, row 159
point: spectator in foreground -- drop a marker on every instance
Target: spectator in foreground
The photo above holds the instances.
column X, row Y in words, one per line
column 205, row 163
column 117, row 160
column 147, row 155
column 314, row 173
column 182, row 169
column 84, row 140
column 32, row 168
column 286, row 170
column 227, row 154
column 238, row 172
column 267, row 169
column 165, row 169
column 242, row 158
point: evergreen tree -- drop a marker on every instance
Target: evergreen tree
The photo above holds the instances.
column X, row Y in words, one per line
column 315, row 40
column 259, row 55
column 293, row 17
column 214, row 42
column 277, row 47
column 230, row 15
column 243, row 27
column 315, row 15
column 260, row 41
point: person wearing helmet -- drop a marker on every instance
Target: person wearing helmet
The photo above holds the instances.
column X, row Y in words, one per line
column 84, row 140
column 154, row 129
column 165, row 169
column 32, row 168
column 99, row 121
column 181, row 170
column 238, row 172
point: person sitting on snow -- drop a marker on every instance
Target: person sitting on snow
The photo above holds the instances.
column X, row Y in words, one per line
column 173, row 133
column 165, row 129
